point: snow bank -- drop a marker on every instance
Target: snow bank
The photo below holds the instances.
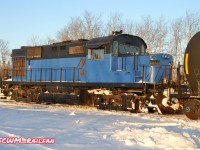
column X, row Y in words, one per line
column 157, row 137
column 83, row 128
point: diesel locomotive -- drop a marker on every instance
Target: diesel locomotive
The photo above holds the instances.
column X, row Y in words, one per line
column 111, row 72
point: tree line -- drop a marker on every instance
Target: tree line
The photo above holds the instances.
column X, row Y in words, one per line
column 4, row 56
column 161, row 35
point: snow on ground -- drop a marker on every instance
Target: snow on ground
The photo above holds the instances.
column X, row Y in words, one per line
column 83, row 128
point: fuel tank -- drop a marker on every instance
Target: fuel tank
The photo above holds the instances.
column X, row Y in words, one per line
column 192, row 64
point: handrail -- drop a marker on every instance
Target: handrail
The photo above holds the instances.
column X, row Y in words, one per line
column 42, row 74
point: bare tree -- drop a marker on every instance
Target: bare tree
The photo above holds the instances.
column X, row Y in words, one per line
column 115, row 23
column 92, row 25
column 75, row 29
column 34, row 40
column 49, row 41
column 129, row 27
column 63, row 34
column 192, row 24
column 161, row 35
column 182, row 31
column 4, row 51
column 177, row 40
column 147, row 31
column 89, row 26
column 4, row 56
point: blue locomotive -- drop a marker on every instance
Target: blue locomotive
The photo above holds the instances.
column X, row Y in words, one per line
column 111, row 70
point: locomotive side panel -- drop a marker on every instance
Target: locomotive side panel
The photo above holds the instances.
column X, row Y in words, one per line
column 117, row 59
column 114, row 70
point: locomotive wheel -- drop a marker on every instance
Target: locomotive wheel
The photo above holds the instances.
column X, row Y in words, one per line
column 86, row 98
column 191, row 109
column 14, row 95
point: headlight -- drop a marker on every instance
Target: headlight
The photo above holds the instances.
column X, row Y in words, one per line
column 153, row 57
column 165, row 56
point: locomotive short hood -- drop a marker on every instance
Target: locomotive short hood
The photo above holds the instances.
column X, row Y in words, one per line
column 123, row 38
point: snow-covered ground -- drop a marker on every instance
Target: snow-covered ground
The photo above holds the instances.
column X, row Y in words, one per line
column 83, row 128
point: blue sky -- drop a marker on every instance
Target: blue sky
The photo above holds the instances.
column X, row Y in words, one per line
column 21, row 19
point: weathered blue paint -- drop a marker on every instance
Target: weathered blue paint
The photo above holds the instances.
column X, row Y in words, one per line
column 113, row 59
column 111, row 69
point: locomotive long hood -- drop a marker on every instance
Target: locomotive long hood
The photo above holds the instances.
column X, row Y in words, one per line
column 192, row 63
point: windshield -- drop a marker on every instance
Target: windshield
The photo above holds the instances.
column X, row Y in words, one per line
column 127, row 49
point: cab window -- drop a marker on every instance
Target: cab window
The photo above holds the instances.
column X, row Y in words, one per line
column 96, row 54
column 143, row 50
column 127, row 49
column 134, row 50
column 123, row 49
column 115, row 48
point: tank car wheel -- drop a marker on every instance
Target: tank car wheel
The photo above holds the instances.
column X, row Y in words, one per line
column 191, row 109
